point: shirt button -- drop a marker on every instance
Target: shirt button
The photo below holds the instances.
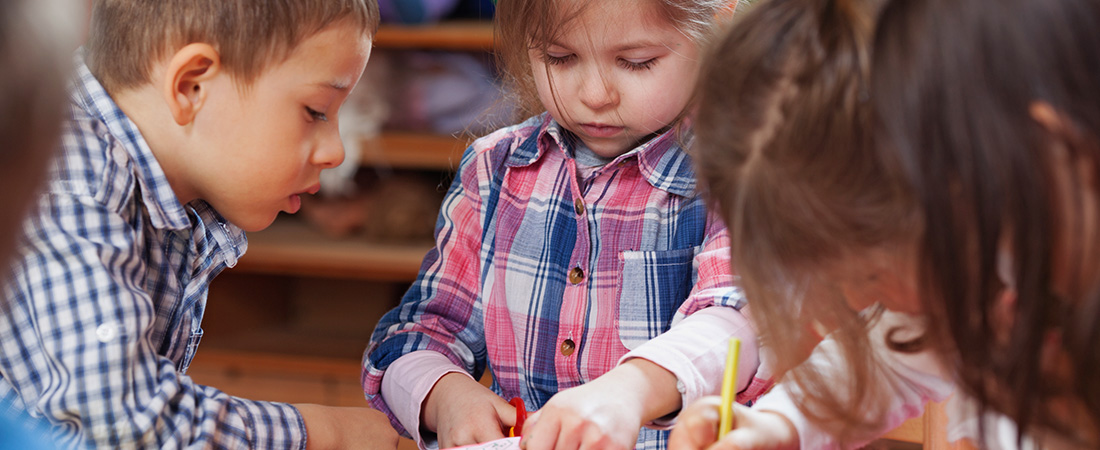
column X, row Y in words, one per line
column 567, row 347
column 576, row 276
column 106, row 332
column 578, row 206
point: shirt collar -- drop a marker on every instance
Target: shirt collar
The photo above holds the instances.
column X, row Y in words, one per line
column 661, row 160
column 165, row 210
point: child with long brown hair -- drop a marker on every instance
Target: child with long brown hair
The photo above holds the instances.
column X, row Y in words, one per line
column 936, row 214
column 574, row 257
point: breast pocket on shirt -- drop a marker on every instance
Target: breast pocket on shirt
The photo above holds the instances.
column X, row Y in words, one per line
column 654, row 285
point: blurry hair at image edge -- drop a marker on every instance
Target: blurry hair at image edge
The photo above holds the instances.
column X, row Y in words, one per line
column 36, row 40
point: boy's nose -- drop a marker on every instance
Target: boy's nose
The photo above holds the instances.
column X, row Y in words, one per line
column 329, row 152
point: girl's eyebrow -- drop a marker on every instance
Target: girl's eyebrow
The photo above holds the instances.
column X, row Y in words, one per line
column 336, row 85
column 626, row 46
column 638, row 44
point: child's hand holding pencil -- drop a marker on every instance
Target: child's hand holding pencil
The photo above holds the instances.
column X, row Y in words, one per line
column 720, row 423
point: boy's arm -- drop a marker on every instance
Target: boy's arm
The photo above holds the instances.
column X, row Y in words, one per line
column 77, row 344
column 332, row 427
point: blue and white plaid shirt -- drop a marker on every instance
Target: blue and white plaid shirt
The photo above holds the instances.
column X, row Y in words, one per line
column 107, row 295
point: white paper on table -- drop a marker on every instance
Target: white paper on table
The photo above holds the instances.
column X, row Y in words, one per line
column 508, row 443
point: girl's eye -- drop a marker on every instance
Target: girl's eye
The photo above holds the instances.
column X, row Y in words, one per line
column 555, row 60
column 316, row 115
column 632, row 65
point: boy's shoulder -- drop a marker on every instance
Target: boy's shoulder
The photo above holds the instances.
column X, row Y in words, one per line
column 91, row 162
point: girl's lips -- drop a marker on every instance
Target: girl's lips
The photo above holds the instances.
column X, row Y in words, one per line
column 600, row 130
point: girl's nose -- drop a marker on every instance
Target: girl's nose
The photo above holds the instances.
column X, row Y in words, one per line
column 329, row 152
column 598, row 92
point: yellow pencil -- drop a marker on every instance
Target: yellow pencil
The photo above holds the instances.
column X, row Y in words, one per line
column 729, row 389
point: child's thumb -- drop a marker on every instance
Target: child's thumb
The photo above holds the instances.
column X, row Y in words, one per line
column 697, row 426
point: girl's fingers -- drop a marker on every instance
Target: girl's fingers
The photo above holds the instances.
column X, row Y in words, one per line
column 539, row 436
column 697, row 426
column 570, row 437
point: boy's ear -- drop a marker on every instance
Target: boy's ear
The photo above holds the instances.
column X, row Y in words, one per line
column 185, row 80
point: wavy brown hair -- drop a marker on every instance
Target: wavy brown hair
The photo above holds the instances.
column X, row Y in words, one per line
column 522, row 25
column 955, row 85
column 127, row 37
column 784, row 150
column 32, row 95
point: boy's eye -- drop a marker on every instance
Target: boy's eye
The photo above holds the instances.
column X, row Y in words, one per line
column 316, row 115
column 554, row 60
column 637, row 65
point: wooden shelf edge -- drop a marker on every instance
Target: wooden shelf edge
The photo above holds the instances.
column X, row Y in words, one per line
column 290, row 247
column 276, row 363
column 467, row 35
column 411, row 150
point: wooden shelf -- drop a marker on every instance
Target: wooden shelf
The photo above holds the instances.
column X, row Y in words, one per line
column 472, row 35
column 237, row 360
column 410, row 150
column 290, row 247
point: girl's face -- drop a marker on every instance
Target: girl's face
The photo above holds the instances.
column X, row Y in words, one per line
column 618, row 73
column 887, row 277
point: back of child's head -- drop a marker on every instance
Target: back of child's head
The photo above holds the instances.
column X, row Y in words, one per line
column 36, row 38
column 522, row 25
column 783, row 151
column 993, row 110
column 128, row 37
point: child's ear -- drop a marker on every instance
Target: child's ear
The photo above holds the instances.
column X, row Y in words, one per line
column 185, row 80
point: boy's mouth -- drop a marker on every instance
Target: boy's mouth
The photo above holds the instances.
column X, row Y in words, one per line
column 296, row 199
column 295, row 204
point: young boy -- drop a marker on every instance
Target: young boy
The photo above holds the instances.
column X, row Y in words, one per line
column 189, row 122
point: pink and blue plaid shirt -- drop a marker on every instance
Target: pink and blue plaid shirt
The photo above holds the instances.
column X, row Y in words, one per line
column 547, row 279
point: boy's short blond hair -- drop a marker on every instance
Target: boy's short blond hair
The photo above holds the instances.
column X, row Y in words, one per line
column 127, row 37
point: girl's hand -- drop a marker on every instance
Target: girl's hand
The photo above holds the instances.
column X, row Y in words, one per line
column 697, row 429
column 589, row 416
column 461, row 411
column 607, row 412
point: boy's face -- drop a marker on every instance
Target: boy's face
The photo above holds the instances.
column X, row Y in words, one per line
column 261, row 147
column 618, row 73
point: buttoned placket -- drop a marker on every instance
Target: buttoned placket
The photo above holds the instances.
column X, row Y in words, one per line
column 575, row 302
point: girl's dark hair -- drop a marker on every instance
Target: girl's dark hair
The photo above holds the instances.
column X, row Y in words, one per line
column 955, row 87
column 33, row 49
column 784, row 151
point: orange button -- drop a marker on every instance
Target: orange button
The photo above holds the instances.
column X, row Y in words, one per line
column 578, row 206
column 567, row 347
column 576, row 276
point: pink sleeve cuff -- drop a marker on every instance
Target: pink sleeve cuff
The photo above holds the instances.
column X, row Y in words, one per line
column 407, row 383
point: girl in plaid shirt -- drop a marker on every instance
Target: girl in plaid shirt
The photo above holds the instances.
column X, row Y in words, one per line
column 574, row 257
